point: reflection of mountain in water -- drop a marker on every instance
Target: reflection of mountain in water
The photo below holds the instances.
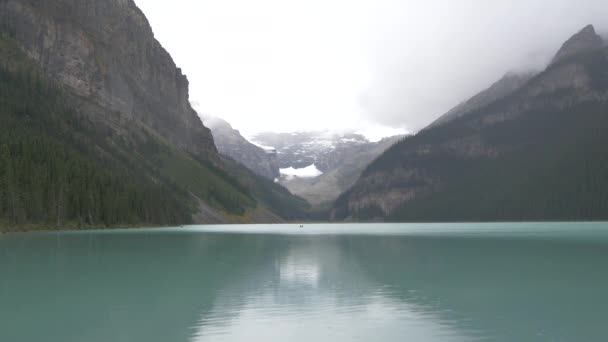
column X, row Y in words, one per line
column 315, row 291
column 505, row 290
column 113, row 287
column 182, row 286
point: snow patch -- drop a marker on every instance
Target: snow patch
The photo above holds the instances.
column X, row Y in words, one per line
column 351, row 140
column 264, row 147
column 310, row 171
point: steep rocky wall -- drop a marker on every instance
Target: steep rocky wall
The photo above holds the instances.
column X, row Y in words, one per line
column 104, row 52
column 231, row 143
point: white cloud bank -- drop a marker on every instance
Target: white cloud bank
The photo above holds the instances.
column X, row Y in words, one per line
column 283, row 66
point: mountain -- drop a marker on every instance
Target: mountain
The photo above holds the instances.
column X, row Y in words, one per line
column 535, row 154
column 231, row 143
column 504, row 87
column 105, row 54
column 298, row 150
column 257, row 169
column 96, row 128
column 323, row 190
column 339, row 158
column 587, row 40
column 275, row 203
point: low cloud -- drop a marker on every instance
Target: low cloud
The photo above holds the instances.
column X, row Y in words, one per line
column 275, row 65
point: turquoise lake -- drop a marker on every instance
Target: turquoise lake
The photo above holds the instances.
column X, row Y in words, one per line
column 373, row 282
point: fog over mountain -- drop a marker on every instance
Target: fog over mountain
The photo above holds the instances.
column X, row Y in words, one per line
column 291, row 66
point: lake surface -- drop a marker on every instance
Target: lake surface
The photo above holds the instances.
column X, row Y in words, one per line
column 377, row 282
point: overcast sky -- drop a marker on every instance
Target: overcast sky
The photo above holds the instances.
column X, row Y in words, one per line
column 284, row 65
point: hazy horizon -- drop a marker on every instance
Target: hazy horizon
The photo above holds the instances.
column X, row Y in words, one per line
column 336, row 65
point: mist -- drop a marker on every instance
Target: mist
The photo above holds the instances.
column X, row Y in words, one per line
column 275, row 65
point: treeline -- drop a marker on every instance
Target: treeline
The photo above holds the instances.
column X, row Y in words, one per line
column 554, row 167
column 43, row 182
column 61, row 168
column 551, row 160
column 56, row 170
column 274, row 196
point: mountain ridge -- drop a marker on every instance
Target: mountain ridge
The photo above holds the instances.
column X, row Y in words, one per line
column 106, row 54
column 584, row 41
column 338, row 157
column 467, row 169
column 231, row 143
column 130, row 148
column 508, row 84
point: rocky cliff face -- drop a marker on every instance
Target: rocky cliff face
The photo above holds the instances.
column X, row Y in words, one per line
column 584, row 41
column 105, row 54
column 231, row 143
column 105, row 92
column 487, row 160
column 327, row 150
column 342, row 167
column 341, row 157
column 506, row 86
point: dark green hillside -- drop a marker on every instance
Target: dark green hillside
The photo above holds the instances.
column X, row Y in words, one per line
column 270, row 194
column 60, row 169
column 558, row 171
column 539, row 153
column 55, row 168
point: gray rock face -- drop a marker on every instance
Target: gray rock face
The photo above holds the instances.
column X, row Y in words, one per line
column 340, row 156
column 506, row 86
column 105, row 53
column 585, row 40
column 410, row 171
column 231, row 143
column 326, row 150
column 345, row 167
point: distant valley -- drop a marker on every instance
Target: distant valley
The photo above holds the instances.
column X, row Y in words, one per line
column 317, row 166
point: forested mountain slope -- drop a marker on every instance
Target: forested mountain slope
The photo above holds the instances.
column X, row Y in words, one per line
column 96, row 126
column 537, row 154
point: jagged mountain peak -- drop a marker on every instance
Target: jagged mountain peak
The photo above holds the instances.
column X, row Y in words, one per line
column 231, row 143
column 585, row 40
column 213, row 122
column 513, row 139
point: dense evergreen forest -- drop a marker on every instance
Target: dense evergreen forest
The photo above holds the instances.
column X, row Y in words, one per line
column 55, row 169
column 558, row 171
column 273, row 196
column 550, row 162
column 58, row 168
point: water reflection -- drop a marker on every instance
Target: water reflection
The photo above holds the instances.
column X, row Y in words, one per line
column 179, row 286
column 316, row 291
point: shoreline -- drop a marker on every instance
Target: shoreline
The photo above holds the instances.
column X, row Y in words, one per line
column 34, row 229
column 38, row 229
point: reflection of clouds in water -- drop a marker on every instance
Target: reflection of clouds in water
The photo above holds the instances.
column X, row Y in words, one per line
column 296, row 270
column 322, row 319
column 302, row 296
column 260, row 321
